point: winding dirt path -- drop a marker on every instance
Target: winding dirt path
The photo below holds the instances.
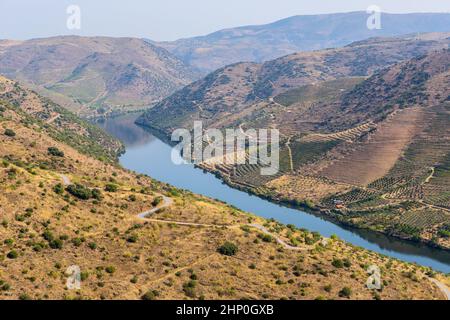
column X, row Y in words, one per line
column 444, row 289
column 169, row 201
column 166, row 203
column 65, row 179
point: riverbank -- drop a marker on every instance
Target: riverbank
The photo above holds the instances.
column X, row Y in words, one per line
column 148, row 154
column 336, row 216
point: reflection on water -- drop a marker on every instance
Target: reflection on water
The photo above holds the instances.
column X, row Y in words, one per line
column 124, row 129
column 149, row 155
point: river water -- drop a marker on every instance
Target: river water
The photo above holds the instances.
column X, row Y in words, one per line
column 147, row 154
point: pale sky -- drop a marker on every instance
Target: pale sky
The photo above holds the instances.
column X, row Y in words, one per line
column 173, row 19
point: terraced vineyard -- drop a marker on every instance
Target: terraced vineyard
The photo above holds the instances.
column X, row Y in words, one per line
column 424, row 170
column 353, row 196
column 347, row 135
column 307, row 152
column 424, row 218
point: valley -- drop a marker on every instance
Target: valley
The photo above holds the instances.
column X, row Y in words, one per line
column 94, row 206
column 353, row 148
column 62, row 207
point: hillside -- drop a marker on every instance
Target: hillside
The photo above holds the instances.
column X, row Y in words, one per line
column 234, row 89
column 298, row 33
column 57, row 122
column 368, row 148
column 61, row 208
column 92, row 75
column 375, row 156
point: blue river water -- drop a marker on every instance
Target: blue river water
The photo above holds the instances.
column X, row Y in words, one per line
column 147, row 154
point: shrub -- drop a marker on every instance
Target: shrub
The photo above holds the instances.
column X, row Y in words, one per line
column 150, row 295
column 77, row 242
column 228, row 249
column 53, row 151
column 58, row 189
column 56, row 244
column 337, row 263
column 10, row 133
column 346, row 292
column 79, row 191
column 12, row 254
column 157, row 201
column 265, row 237
column 5, row 286
column 133, row 238
column 24, row 296
column 110, row 269
column 110, row 187
column 92, row 245
column 189, row 288
column 48, row 235
column 97, row 194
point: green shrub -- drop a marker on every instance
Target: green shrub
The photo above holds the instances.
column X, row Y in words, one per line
column 53, row 151
column 157, row 201
column 79, row 191
column 265, row 237
column 10, row 133
column 133, row 238
column 189, row 288
column 110, row 269
column 12, row 254
column 77, row 242
column 56, row 244
column 346, row 292
column 228, row 249
column 337, row 263
column 97, row 194
column 58, row 189
column 110, row 187
column 150, row 295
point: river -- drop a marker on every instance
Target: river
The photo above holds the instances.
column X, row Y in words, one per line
column 147, row 154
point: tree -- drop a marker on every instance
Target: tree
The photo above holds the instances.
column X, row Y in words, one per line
column 228, row 249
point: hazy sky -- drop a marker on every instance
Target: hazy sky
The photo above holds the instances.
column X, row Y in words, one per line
column 173, row 19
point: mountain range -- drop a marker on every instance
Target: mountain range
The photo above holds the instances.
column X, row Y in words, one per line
column 230, row 93
column 298, row 33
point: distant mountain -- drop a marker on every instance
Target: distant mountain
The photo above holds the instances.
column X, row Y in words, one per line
column 95, row 74
column 232, row 91
column 299, row 33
